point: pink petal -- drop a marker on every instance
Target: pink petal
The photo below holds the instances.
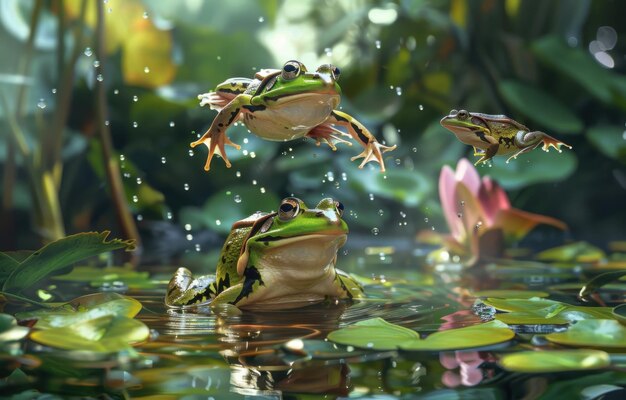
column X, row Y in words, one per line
column 466, row 173
column 517, row 223
column 492, row 198
column 447, row 187
column 448, row 360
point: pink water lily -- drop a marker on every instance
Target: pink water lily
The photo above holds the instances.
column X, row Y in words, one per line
column 479, row 214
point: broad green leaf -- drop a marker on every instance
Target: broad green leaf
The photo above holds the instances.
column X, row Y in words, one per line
column 602, row 333
column 83, row 309
column 59, row 254
column 511, row 294
column 375, row 333
column 482, row 335
column 538, row 317
column 540, row 107
column 520, row 304
column 609, row 139
column 105, row 334
column 543, row 311
column 8, row 265
column 10, row 331
column 555, row 361
column 578, row 252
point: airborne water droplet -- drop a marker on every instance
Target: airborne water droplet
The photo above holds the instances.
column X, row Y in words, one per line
column 99, row 78
column 377, row 44
column 146, row 70
column 375, row 231
column 237, row 198
column 163, row 160
column 135, row 98
column 41, row 104
column 381, row 212
column 398, row 90
column 145, row 15
column 88, row 52
column 135, row 124
column 186, row 186
column 172, row 124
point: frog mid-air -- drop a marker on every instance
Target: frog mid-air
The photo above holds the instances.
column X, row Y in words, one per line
column 492, row 135
column 278, row 260
column 286, row 104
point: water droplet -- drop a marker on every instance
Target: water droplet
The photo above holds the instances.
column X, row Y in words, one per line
column 139, row 181
column 197, row 247
column 96, row 63
column 172, row 124
column 261, row 19
column 414, row 149
column 139, row 217
column 421, row 107
column 375, row 231
column 254, row 182
column 328, row 51
column 218, row 222
column 168, row 215
column 186, row 186
column 116, row 91
column 146, row 70
column 460, row 215
column 381, row 212
column 135, row 124
column 163, row 160
column 402, row 214
column 54, row 91
column 187, row 227
column 426, row 220
column 262, row 190
column 88, row 52
column 122, row 157
column 145, row 15
column 398, row 90
column 99, row 78
column 377, row 44
column 371, row 196
column 330, row 176
column 135, row 98
column 41, row 104
column 106, row 123
column 190, row 153
column 189, row 237
column 237, row 198
column 135, row 198
column 398, row 161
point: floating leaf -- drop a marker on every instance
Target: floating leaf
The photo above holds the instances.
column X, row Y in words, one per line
column 511, row 305
column 543, row 311
column 105, row 334
column 59, row 254
column 555, row 361
column 375, row 333
column 603, row 333
column 540, row 107
column 577, row 252
column 481, row 335
column 98, row 276
column 511, row 294
column 83, row 309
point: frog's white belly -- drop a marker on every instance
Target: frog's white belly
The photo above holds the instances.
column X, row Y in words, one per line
column 297, row 274
column 291, row 117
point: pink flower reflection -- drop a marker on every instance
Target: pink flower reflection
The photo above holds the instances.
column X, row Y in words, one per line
column 479, row 214
column 468, row 363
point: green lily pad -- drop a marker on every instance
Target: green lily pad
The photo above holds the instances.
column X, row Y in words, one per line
column 482, row 335
column 512, row 305
column 97, row 276
column 83, row 309
column 603, row 333
column 58, row 255
column 555, row 361
column 106, row 334
column 619, row 313
column 578, row 252
column 540, row 106
column 10, row 331
column 543, row 311
column 375, row 333
column 511, row 294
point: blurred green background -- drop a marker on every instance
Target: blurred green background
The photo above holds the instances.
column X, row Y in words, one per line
column 97, row 110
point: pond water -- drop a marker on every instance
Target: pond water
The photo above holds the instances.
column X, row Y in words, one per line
column 284, row 354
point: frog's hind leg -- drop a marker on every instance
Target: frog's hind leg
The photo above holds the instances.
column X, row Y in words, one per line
column 327, row 134
column 373, row 151
column 184, row 290
column 528, row 141
column 215, row 137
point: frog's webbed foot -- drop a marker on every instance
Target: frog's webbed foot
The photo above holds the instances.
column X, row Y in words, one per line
column 184, row 290
column 216, row 101
column 216, row 143
column 487, row 154
column 373, row 152
column 327, row 134
column 549, row 141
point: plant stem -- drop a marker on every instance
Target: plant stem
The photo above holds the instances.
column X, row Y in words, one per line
column 124, row 216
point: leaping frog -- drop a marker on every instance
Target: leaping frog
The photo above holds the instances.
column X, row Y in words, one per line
column 277, row 260
column 492, row 135
column 286, row 104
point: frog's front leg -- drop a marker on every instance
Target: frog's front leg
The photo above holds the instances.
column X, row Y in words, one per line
column 184, row 290
column 373, row 151
column 489, row 149
column 329, row 135
column 350, row 288
column 215, row 137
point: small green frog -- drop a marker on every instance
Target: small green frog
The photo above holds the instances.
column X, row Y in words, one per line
column 277, row 260
column 492, row 135
column 286, row 104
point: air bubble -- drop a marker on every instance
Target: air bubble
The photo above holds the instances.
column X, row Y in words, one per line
column 238, row 174
column 261, row 19
column 371, row 196
column 190, row 153
column 96, row 63
column 187, row 227
column 54, row 91
column 328, row 51
column 237, row 198
column 426, row 219
column 139, row 181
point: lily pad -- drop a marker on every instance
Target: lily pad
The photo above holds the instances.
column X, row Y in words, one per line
column 375, row 333
column 543, row 311
column 97, row 276
column 578, row 252
column 555, row 361
column 482, row 335
column 511, row 294
column 105, row 334
column 602, row 333
column 83, row 309
column 619, row 313
column 512, row 305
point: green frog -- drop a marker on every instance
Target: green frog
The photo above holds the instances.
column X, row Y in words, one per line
column 286, row 104
column 276, row 260
column 492, row 135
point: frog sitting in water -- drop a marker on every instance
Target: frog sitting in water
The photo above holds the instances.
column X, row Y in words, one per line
column 492, row 135
column 286, row 104
column 280, row 260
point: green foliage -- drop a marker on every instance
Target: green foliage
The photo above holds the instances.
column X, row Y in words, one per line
column 600, row 333
column 555, row 361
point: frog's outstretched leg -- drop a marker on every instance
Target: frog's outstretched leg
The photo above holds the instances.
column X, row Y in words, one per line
column 215, row 137
column 328, row 134
column 525, row 139
column 349, row 286
column 184, row 290
column 373, row 151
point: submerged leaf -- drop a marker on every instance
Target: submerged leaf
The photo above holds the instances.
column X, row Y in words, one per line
column 105, row 334
column 60, row 254
column 83, row 309
column 555, row 361
column 602, row 333
column 375, row 333
column 481, row 335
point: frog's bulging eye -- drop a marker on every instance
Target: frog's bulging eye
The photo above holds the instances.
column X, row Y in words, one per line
column 289, row 208
column 453, row 112
column 339, row 207
column 291, row 70
column 462, row 114
column 336, row 71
